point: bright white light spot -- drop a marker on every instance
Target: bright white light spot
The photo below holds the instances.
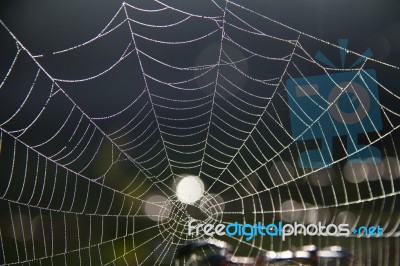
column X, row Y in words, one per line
column 157, row 208
column 190, row 189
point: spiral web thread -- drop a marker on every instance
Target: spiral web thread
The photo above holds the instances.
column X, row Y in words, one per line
column 89, row 186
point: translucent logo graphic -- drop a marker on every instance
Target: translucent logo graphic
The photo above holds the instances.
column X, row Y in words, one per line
column 340, row 104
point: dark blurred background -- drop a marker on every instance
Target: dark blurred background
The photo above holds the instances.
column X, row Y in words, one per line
column 46, row 26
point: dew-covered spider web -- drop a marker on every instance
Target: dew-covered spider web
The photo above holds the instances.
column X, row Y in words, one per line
column 220, row 114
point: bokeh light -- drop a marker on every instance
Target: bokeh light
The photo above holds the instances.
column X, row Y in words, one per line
column 157, row 208
column 212, row 205
column 190, row 189
column 356, row 172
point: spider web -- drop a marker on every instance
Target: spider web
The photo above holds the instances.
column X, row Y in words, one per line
column 95, row 138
